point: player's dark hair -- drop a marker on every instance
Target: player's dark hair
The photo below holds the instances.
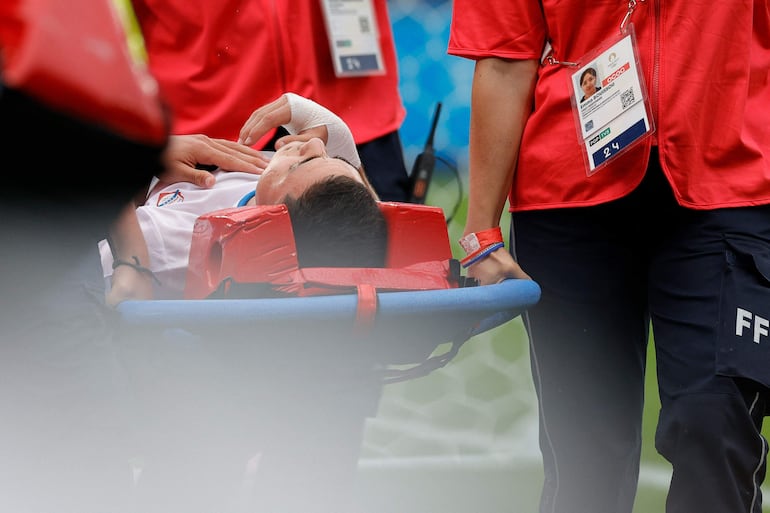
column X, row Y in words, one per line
column 337, row 222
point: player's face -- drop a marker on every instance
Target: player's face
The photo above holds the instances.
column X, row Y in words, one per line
column 297, row 165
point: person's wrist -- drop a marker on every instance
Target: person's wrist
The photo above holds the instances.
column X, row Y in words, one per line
column 479, row 245
column 474, row 241
column 137, row 266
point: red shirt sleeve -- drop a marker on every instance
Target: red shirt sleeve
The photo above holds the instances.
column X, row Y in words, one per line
column 511, row 29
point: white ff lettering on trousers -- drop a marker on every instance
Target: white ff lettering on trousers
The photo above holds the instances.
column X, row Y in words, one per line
column 746, row 320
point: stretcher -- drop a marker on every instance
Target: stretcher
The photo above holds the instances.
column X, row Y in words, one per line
column 213, row 375
column 403, row 313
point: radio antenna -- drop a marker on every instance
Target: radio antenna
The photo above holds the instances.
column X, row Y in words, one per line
column 422, row 171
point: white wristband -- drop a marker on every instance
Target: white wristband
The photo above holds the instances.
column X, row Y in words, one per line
column 307, row 114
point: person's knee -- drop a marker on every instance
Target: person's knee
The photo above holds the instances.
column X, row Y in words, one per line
column 705, row 423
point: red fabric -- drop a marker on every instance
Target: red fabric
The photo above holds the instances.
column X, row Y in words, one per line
column 314, row 281
column 713, row 138
column 256, row 245
column 245, row 244
column 73, row 56
column 473, row 242
column 366, row 309
column 217, row 61
column 416, row 233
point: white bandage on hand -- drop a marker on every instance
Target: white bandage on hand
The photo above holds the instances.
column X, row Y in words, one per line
column 307, row 114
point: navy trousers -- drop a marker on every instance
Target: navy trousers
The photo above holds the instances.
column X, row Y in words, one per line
column 383, row 161
column 702, row 279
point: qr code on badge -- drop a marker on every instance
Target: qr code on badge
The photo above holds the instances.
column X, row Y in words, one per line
column 363, row 25
column 627, row 98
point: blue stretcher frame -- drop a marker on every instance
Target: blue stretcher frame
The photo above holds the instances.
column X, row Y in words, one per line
column 411, row 323
column 494, row 304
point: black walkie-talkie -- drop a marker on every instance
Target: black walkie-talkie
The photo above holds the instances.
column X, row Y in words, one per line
column 422, row 171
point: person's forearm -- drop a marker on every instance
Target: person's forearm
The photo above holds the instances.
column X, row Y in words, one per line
column 501, row 102
column 126, row 238
column 131, row 274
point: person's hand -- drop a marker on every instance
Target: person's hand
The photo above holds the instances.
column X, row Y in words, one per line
column 496, row 267
column 185, row 152
column 128, row 283
column 272, row 115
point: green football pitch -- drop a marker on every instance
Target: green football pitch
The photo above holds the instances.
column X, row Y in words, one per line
column 464, row 439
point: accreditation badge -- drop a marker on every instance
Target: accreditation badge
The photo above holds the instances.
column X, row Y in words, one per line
column 351, row 26
column 610, row 102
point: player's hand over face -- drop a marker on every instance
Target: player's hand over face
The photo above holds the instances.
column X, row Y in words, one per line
column 185, row 152
column 273, row 115
column 496, row 267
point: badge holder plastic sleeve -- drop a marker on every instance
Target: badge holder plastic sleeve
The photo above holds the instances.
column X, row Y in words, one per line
column 629, row 134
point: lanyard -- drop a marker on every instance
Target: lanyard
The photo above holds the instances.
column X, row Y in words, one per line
column 631, row 6
column 548, row 52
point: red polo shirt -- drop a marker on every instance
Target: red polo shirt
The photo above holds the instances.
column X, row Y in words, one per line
column 218, row 61
column 707, row 70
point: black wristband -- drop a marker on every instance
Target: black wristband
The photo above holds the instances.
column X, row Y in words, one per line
column 137, row 266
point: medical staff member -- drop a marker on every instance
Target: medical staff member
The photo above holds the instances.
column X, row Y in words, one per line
column 648, row 203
